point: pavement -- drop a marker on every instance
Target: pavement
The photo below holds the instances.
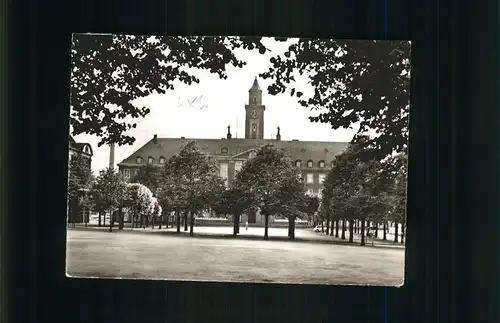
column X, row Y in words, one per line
column 301, row 235
column 120, row 254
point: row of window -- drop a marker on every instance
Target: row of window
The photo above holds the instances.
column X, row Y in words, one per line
column 127, row 173
column 310, row 178
column 151, row 160
column 310, row 163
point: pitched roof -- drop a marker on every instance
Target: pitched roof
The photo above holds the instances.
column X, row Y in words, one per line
column 297, row 150
column 255, row 86
column 79, row 146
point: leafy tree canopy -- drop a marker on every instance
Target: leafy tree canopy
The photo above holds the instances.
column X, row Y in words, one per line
column 118, row 69
column 80, row 176
column 191, row 179
column 355, row 81
column 149, row 176
column 139, row 198
column 265, row 176
column 109, row 189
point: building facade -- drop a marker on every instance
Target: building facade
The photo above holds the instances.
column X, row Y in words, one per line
column 314, row 158
column 76, row 215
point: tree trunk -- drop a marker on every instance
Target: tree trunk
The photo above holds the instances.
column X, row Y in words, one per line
column 336, row 228
column 121, row 218
column 191, row 224
column 403, row 228
column 236, row 222
column 376, row 230
column 99, row 223
column 331, row 227
column 396, row 231
column 104, row 220
column 185, row 221
column 110, row 221
column 178, row 220
column 351, row 231
column 153, row 222
column 291, row 228
column 327, row 231
column 343, row 229
column 266, row 226
column 385, row 230
column 161, row 221
column 363, row 228
column 322, row 226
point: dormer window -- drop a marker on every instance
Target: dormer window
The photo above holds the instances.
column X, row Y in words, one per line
column 162, row 160
column 224, row 150
column 138, row 160
column 332, row 163
column 150, row 160
column 298, row 163
column 322, row 164
column 309, row 164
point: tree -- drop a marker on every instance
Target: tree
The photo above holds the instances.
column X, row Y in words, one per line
column 157, row 211
column 139, row 199
column 291, row 196
column 193, row 180
column 109, row 191
column 398, row 212
column 356, row 81
column 79, row 183
column 148, row 176
column 115, row 70
column 234, row 201
column 262, row 177
column 311, row 206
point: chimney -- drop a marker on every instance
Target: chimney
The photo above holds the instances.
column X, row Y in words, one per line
column 112, row 156
column 183, row 137
column 228, row 132
column 278, row 136
column 155, row 139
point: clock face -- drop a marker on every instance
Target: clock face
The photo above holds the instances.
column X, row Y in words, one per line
column 254, row 114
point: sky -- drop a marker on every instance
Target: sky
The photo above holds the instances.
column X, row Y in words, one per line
column 222, row 103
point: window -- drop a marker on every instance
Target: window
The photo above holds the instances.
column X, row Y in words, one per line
column 321, row 178
column 224, row 150
column 162, row 160
column 126, row 174
column 310, row 178
column 255, row 100
column 322, row 164
column 237, row 166
column 223, row 172
column 309, row 163
column 139, row 160
column 136, row 171
column 298, row 163
column 150, row 160
column 332, row 163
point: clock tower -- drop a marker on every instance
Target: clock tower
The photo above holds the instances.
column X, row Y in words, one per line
column 254, row 116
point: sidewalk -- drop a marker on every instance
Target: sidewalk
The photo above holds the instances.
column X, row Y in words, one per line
column 274, row 234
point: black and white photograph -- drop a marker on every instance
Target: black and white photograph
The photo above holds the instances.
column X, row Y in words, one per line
column 238, row 159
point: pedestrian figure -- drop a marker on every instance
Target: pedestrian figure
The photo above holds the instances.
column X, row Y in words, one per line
column 246, row 225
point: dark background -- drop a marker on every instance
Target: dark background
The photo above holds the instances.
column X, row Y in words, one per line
column 452, row 248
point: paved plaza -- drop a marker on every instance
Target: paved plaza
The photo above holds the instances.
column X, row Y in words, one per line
column 97, row 253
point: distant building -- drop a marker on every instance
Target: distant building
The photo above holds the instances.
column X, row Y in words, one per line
column 76, row 215
column 314, row 158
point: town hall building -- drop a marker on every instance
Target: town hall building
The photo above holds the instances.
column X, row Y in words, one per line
column 314, row 158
